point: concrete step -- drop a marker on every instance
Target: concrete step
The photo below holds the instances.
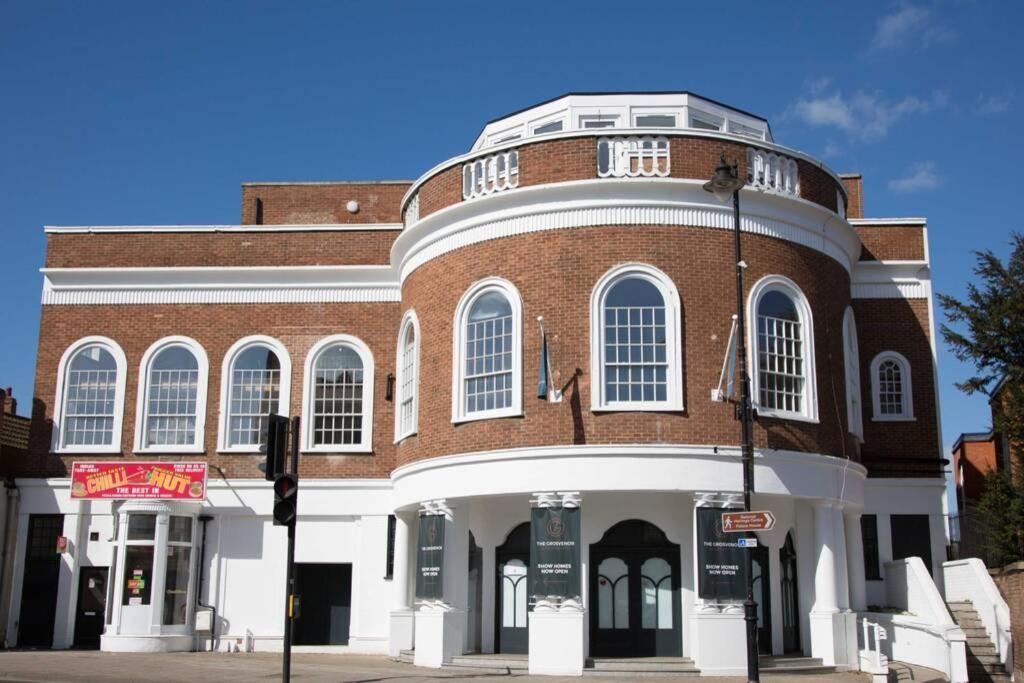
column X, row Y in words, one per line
column 642, row 665
column 500, row 662
column 980, row 646
column 992, row 659
column 795, row 665
column 955, row 605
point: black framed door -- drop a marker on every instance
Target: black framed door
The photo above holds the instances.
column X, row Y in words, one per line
column 512, row 560
column 325, row 592
column 763, row 595
column 790, row 597
column 92, row 603
column 39, row 586
column 634, row 593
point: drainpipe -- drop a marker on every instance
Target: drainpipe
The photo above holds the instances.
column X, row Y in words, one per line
column 199, row 585
column 8, row 508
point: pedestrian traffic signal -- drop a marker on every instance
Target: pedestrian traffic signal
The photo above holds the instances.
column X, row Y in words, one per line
column 286, row 489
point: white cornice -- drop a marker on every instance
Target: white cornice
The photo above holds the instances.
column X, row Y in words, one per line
column 636, row 201
column 216, row 285
column 914, row 221
column 312, row 227
column 891, row 280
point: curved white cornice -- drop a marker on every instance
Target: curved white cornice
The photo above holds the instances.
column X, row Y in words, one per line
column 217, row 285
column 314, row 227
column 627, row 467
column 617, row 132
column 636, row 201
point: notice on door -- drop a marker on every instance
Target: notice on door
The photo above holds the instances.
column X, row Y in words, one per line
column 555, row 553
column 430, row 558
column 720, row 559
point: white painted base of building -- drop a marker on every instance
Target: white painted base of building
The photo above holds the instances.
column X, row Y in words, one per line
column 440, row 636
column 557, row 642
column 177, row 643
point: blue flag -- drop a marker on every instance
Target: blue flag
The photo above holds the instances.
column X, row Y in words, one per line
column 542, row 377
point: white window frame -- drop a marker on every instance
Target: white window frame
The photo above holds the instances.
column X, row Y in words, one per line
column 475, row 291
column 308, row 422
column 583, row 119
column 780, row 283
column 706, row 118
column 673, row 342
column 408, row 321
column 637, row 113
column 284, row 393
column 142, row 402
column 59, row 404
column 561, row 118
column 851, row 364
column 907, row 387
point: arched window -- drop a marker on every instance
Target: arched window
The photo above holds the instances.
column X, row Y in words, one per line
column 891, row 391
column 487, row 381
column 90, row 397
column 408, row 364
column 171, row 410
column 782, row 350
column 338, row 396
column 635, row 346
column 851, row 362
column 255, row 380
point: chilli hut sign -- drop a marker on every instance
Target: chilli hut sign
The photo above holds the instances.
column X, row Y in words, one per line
column 138, row 480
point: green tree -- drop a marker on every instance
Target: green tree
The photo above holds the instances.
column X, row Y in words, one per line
column 989, row 334
column 998, row 520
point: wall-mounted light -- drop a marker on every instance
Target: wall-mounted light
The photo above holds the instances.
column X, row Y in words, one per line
column 389, row 389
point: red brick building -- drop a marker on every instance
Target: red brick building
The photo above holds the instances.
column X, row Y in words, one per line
column 399, row 320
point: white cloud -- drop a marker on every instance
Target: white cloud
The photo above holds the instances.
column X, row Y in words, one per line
column 921, row 176
column 865, row 115
column 909, row 26
column 832, row 149
column 993, row 104
column 817, row 85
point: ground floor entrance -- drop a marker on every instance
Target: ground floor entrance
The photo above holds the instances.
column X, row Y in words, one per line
column 326, row 603
column 91, row 609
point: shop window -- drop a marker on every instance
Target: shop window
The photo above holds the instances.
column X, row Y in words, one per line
column 869, row 537
column 172, row 396
column 179, row 563
column 783, row 350
column 488, row 369
column 408, row 377
column 635, row 347
column 890, row 387
column 138, row 559
column 90, row 397
column 338, row 401
column 255, row 381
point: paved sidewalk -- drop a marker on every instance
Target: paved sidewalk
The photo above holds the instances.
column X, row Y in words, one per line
column 77, row 666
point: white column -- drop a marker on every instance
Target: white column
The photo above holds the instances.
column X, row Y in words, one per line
column 441, row 627
column 401, row 627
column 855, row 561
column 842, row 580
column 67, row 588
column 824, row 637
column 487, row 574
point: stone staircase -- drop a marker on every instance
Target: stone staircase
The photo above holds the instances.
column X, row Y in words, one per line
column 982, row 656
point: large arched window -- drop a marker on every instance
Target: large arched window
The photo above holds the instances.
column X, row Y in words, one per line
column 635, row 345
column 487, row 377
column 891, row 390
column 338, row 396
column 782, row 350
column 255, row 381
column 90, row 397
column 851, row 363
column 171, row 411
column 408, row 364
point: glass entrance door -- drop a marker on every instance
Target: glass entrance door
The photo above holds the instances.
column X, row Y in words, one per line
column 512, row 560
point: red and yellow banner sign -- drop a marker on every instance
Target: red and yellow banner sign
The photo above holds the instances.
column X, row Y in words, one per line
column 145, row 480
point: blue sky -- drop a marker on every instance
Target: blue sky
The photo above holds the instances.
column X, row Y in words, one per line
column 145, row 113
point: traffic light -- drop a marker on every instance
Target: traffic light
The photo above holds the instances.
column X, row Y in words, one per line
column 277, row 445
column 286, row 490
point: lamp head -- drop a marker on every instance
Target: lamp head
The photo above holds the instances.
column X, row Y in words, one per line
column 725, row 181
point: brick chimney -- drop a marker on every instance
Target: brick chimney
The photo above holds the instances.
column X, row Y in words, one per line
column 10, row 405
column 852, row 182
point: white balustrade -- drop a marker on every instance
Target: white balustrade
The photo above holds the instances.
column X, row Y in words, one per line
column 772, row 172
column 632, row 157
column 412, row 210
column 491, row 174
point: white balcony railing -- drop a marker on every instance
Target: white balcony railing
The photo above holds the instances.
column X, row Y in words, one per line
column 632, row 157
column 491, row 174
column 412, row 210
column 772, row 172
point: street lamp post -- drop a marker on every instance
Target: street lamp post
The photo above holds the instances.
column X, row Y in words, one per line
column 723, row 184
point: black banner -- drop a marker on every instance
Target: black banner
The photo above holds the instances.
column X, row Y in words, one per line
column 430, row 558
column 555, row 552
column 720, row 562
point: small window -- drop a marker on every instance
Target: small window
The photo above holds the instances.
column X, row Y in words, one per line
column 90, row 395
column 745, row 131
column 488, row 372
column 598, row 121
column 552, row 127
column 891, row 388
column 636, row 341
column 655, row 121
column 869, row 535
column 702, row 121
column 254, row 383
column 389, row 564
column 339, row 396
column 911, row 537
column 408, row 377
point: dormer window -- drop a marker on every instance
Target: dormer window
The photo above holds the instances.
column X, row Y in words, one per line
column 655, row 121
column 745, row 131
column 704, row 121
column 598, row 121
column 550, row 127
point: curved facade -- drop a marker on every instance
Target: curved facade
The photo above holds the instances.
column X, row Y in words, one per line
column 549, row 335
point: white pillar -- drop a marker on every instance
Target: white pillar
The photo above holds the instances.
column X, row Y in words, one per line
column 823, row 615
column 855, row 562
column 842, row 580
column 441, row 627
column 487, row 574
column 401, row 628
